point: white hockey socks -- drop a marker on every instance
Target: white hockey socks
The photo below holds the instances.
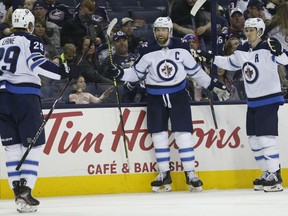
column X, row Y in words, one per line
column 258, row 152
column 266, row 152
column 186, row 151
column 271, row 152
column 162, row 150
column 30, row 167
column 13, row 154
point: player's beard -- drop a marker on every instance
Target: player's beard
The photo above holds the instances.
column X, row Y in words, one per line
column 163, row 41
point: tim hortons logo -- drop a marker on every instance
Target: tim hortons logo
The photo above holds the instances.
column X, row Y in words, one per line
column 93, row 142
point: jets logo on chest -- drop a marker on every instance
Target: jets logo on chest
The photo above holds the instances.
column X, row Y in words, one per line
column 250, row 72
column 166, row 69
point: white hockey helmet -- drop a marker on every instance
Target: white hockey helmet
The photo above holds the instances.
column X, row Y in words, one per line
column 21, row 19
column 164, row 22
column 255, row 23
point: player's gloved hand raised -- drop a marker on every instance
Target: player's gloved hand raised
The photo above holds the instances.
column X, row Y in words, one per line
column 275, row 46
column 207, row 56
column 220, row 89
column 116, row 70
column 69, row 70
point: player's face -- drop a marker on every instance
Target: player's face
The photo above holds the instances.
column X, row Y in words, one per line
column 251, row 34
column 162, row 35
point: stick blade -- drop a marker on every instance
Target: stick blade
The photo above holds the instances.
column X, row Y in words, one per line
column 196, row 7
column 111, row 25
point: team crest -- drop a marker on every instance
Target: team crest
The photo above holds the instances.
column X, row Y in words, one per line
column 250, row 72
column 166, row 69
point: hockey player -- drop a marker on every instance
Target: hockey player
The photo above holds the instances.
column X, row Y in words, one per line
column 164, row 64
column 258, row 59
column 21, row 60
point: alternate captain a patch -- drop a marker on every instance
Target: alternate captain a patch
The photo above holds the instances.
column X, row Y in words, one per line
column 250, row 72
column 167, row 69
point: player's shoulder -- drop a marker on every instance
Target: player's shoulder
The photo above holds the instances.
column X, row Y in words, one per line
column 179, row 43
column 263, row 45
column 243, row 46
column 148, row 47
column 29, row 37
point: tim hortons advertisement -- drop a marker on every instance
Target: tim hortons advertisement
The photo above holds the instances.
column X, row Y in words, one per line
column 88, row 141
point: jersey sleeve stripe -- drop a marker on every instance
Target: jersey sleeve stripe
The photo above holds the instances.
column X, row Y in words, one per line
column 37, row 63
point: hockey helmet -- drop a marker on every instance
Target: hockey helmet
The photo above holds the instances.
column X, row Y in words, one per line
column 255, row 23
column 21, row 19
column 164, row 22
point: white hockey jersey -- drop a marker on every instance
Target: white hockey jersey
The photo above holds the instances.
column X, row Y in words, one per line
column 21, row 60
column 259, row 71
column 165, row 68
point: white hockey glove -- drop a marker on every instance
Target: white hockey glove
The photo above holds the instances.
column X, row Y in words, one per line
column 220, row 89
column 275, row 46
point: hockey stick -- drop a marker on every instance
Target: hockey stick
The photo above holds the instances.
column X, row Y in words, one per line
column 108, row 32
column 210, row 98
column 211, row 104
column 196, row 7
column 41, row 128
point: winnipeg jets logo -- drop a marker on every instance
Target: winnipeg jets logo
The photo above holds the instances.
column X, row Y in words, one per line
column 166, row 69
column 250, row 72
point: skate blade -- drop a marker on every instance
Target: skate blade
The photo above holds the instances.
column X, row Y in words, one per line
column 195, row 189
column 274, row 188
column 258, row 187
column 164, row 188
column 25, row 208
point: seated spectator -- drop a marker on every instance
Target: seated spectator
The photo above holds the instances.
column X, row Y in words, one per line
column 40, row 31
column 194, row 89
column 2, row 11
column 82, row 97
column 226, row 78
column 52, row 30
column 68, row 55
column 102, row 52
column 28, row 4
column 57, row 12
column 81, row 25
column 236, row 29
column 6, row 24
column 229, row 48
column 256, row 9
column 100, row 14
column 132, row 92
column 89, row 65
column 127, row 26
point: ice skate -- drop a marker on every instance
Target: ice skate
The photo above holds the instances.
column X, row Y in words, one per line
column 16, row 188
column 25, row 201
column 258, row 183
column 195, row 184
column 272, row 182
column 162, row 182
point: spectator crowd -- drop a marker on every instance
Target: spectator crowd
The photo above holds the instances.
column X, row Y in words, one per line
column 73, row 33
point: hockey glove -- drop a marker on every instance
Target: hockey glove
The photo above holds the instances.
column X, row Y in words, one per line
column 220, row 89
column 116, row 70
column 207, row 56
column 275, row 46
column 69, row 70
